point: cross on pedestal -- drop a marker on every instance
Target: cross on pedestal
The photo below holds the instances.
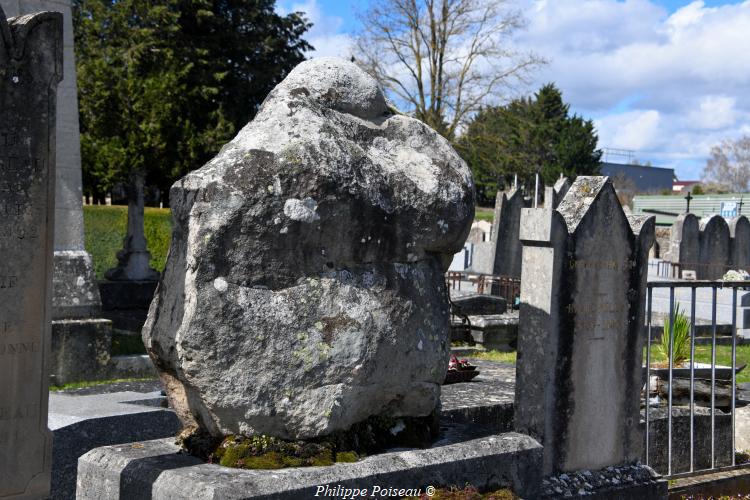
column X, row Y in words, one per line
column 688, row 198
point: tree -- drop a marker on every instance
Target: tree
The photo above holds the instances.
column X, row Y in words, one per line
column 162, row 85
column 525, row 137
column 443, row 59
column 729, row 165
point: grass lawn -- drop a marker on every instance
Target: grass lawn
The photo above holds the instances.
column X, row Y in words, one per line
column 723, row 357
column 94, row 383
column 483, row 213
column 702, row 355
column 105, row 228
column 505, row 357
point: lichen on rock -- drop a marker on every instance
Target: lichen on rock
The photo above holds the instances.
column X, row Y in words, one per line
column 304, row 287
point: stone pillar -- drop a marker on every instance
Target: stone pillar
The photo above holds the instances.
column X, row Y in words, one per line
column 76, row 294
column 505, row 226
column 31, row 58
column 580, row 333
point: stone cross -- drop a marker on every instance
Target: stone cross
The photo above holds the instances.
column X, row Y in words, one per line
column 581, row 328
column 30, row 69
column 688, row 198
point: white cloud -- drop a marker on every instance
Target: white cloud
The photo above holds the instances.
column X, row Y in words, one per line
column 667, row 85
column 325, row 35
column 636, row 130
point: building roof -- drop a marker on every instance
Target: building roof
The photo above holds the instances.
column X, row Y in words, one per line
column 646, row 179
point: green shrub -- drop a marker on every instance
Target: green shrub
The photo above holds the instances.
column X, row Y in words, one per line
column 105, row 228
column 681, row 345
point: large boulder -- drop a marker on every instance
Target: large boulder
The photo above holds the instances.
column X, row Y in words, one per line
column 304, row 290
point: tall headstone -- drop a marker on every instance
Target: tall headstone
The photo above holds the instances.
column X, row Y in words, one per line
column 684, row 247
column 76, row 294
column 580, row 332
column 30, row 69
column 713, row 255
column 505, row 226
column 739, row 233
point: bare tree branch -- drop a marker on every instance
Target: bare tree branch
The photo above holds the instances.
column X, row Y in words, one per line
column 443, row 58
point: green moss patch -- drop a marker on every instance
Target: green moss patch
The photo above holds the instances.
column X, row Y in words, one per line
column 468, row 493
column 265, row 452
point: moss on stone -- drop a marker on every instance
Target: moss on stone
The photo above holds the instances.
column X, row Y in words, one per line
column 347, row 457
column 266, row 452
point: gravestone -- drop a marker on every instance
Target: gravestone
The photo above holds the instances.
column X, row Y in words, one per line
column 580, row 332
column 553, row 195
column 75, row 293
column 81, row 339
column 713, row 255
column 507, row 245
column 684, row 247
column 30, row 68
column 739, row 233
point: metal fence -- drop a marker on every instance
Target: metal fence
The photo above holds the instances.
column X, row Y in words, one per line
column 491, row 284
column 696, row 450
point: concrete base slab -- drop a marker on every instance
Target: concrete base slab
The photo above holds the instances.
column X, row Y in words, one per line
column 155, row 470
column 80, row 423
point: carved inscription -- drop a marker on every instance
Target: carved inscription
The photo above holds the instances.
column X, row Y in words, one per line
column 18, row 413
column 19, row 348
column 600, row 316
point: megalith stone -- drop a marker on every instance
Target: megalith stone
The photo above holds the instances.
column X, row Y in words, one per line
column 714, row 250
column 30, row 69
column 581, row 328
column 739, row 233
column 684, row 245
column 304, row 289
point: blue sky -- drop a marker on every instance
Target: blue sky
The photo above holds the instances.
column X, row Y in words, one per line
column 667, row 79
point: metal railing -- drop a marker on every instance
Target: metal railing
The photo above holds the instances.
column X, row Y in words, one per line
column 672, row 379
column 492, row 284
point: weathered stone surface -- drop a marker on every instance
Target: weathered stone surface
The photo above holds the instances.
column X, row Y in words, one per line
column 30, row 68
column 155, row 470
column 80, row 349
column 505, row 227
column 304, row 288
column 739, row 234
column 580, row 340
column 75, row 294
column 684, row 246
column 714, row 248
